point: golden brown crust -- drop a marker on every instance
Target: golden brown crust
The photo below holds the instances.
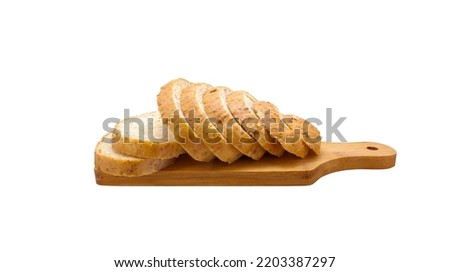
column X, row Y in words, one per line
column 251, row 123
column 310, row 134
column 168, row 105
column 216, row 107
column 192, row 107
column 278, row 129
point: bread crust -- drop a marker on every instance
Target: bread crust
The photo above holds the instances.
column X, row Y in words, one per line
column 309, row 133
column 169, row 105
column 109, row 162
column 278, row 129
column 250, row 122
column 192, row 107
column 215, row 104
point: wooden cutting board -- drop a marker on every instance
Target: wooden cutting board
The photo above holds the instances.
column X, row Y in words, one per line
column 287, row 170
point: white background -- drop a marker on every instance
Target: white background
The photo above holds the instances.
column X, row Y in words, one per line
column 65, row 66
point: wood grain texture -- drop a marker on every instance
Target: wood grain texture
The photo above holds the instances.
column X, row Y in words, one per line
column 269, row 171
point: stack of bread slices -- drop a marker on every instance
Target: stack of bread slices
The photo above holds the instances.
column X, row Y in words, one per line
column 205, row 122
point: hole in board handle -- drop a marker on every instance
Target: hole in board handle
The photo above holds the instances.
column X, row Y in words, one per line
column 373, row 148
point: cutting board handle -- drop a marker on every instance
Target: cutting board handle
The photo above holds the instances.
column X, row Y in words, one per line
column 359, row 155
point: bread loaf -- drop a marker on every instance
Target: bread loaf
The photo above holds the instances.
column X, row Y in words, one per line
column 309, row 133
column 206, row 122
column 169, row 106
column 215, row 104
column 240, row 104
column 192, row 107
column 275, row 125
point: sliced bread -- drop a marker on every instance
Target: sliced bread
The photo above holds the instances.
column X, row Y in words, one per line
column 310, row 134
column 145, row 136
column 170, row 109
column 192, row 106
column 110, row 162
column 240, row 104
column 273, row 122
column 215, row 104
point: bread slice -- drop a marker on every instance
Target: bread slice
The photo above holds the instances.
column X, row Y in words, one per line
column 273, row 122
column 145, row 136
column 215, row 104
column 192, row 106
column 310, row 134
column 170, row 109
column 110, row 162
column 240, row 104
